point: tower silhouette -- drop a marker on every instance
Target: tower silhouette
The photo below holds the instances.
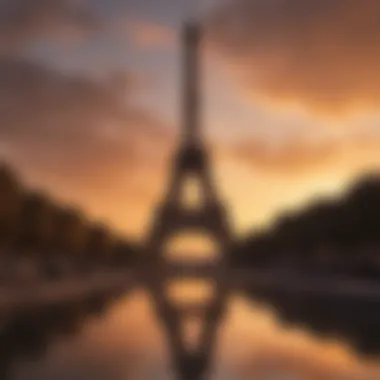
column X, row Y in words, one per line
column 208, row 218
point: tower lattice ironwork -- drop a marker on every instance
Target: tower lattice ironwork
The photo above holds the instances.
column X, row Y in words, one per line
column 208, row 218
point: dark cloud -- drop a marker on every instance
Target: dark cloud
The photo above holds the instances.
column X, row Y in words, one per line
column 23, row 21
column 321, row 54
column 43, row 109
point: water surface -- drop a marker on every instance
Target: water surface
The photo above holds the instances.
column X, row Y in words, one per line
column 126, row 342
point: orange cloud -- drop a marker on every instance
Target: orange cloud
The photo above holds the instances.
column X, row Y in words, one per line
column 148, row 34
column 320, row 55
column 305, row 158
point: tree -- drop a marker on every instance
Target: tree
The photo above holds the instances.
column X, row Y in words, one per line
column 10, row 204
column 100, row 243
column 35, row 227
column 70, row 232
column 125, row 254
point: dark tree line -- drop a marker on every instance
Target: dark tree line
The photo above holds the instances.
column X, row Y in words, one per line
column 331, row 235
column 33, row 225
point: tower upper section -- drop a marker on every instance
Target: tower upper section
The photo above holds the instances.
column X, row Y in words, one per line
column 191, row 115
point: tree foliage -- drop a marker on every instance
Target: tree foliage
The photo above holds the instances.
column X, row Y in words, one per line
column 10, row 203
column 32, row 223
column 35, row 226
column 70, row 231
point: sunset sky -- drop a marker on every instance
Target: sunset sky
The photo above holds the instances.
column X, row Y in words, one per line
column 90, row 94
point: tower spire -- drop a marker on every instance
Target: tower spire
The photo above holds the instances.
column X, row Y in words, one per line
column 191, row 120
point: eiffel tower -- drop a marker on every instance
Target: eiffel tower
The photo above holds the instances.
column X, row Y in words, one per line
column 207, row 218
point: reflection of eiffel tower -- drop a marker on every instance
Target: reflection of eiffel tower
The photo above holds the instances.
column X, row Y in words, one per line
column 173, row 217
